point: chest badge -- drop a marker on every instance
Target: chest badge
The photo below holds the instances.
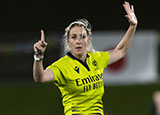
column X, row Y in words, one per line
column 76, row 69
column 94, row 63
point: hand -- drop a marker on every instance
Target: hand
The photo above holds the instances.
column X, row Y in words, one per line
column 41, row 45
column 130, row 13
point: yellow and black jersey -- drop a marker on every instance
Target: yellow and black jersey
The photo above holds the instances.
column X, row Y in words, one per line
column 81, row 83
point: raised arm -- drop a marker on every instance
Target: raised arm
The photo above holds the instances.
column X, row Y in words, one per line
column 122, row 48
column 39, row 74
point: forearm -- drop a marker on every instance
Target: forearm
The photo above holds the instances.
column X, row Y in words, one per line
column 126, row 40
column 37, row 71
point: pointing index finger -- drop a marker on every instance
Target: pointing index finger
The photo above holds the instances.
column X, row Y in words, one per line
column 42, row 36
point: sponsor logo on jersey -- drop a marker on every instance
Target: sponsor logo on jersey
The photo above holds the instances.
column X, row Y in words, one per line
column 90, row 82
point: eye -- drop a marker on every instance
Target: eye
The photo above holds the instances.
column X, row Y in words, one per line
column 73, row 36
column 83, row 36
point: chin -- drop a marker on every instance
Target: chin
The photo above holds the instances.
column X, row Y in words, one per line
column 79, row 53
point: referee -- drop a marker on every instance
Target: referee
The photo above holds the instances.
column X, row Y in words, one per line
column 79, row 74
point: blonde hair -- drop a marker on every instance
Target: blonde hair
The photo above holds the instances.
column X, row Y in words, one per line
column 87, row 26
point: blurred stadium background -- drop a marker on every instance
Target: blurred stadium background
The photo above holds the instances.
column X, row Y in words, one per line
column 129, row 86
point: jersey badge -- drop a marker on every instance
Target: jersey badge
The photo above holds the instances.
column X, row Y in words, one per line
column 76, row 69
column 94, row 63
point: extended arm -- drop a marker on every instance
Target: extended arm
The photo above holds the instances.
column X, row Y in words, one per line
column 121, row 49
column 39, row 74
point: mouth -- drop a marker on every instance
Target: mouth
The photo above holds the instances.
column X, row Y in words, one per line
column 78, row 48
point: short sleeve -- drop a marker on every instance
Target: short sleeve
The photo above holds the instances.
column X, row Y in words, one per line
column 59, row 79
column 103, row 58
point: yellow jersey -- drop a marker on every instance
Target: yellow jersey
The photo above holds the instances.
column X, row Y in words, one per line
column 81, row 83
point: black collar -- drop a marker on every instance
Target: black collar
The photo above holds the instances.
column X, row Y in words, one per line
column 83, row 63
column 69, row 54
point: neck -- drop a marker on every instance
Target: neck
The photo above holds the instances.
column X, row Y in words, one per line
column 81, row 57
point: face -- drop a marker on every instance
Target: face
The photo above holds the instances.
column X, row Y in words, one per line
column 78, row 41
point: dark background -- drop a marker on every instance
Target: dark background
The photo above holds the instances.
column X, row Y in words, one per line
column 20, row 24
column 55, row 15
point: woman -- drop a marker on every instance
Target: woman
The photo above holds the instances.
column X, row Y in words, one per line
column 78, row 75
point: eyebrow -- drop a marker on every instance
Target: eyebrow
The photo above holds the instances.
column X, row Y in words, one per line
column 73, row 34
column 76, row 34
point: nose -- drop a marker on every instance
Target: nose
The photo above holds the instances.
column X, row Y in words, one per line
column 78, row 40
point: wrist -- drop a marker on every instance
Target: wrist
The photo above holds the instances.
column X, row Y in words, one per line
column 38, row 57
column 133, row 25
